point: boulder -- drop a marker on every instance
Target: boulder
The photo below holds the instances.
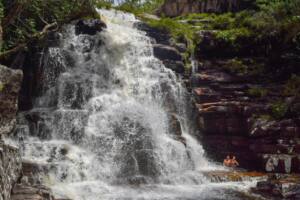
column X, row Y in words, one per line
column 89, row 26
column 10, row 84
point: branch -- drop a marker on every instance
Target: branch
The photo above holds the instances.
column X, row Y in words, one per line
column 45, row 30
column 14, row 50
column 23, row 45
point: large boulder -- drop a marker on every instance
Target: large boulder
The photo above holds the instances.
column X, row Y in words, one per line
column 10, row 84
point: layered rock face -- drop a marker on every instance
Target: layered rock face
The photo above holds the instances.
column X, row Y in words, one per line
column 10, row 169
column 10, row 159
column 10, row 83
column 230, row 123
column 174, row 8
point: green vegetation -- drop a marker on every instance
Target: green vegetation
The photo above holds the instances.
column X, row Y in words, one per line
column 272, row 27
column 25, row 19
column 140, row 7
column 179, row 31
column 1, row 86
column 279, row 109
column 257, row 92
column 236, row 66
column 1, row 10
column 292, row 87
column 104, row 4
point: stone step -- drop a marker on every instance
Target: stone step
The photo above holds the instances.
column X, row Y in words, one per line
column 234, row 176
column 207, row 77
column 36, row 192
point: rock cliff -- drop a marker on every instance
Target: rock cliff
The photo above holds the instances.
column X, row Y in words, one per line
column 232, row 119
column 174, row 8
column 10, row 84
column 10, row 159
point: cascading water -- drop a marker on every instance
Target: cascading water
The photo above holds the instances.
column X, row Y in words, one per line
column 102, row 126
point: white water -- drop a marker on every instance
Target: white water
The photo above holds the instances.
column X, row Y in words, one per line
column 101, row 127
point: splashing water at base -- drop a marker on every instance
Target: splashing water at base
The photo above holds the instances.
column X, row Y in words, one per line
column 102, row 128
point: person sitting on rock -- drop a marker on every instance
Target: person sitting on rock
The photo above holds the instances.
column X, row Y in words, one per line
column 227, row 161
column 234, row 162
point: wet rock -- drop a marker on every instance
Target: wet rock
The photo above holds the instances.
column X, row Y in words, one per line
column 32, row 172
column 286, row 128
column 89, row 26
column 279, row 187
column 10, row 84
column 160, row 36
column 165, row 48
column 206, row 94
column 213, row 76
column 10, row 169
column 174, row 125
column 165, row 52
column 233, row 176
column 176, row 66
column 36, row 192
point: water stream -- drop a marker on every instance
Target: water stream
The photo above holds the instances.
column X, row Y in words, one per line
column 102, row 126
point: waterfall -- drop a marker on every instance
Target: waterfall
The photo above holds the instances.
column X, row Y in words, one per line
column 102, row 127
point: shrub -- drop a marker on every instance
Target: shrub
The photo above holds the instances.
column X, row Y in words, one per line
column 1, row 86
column 233, row 35
column 279, row 109
column 138, row 6
column 257, row 92
column 236, row 66
column 25, row 18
